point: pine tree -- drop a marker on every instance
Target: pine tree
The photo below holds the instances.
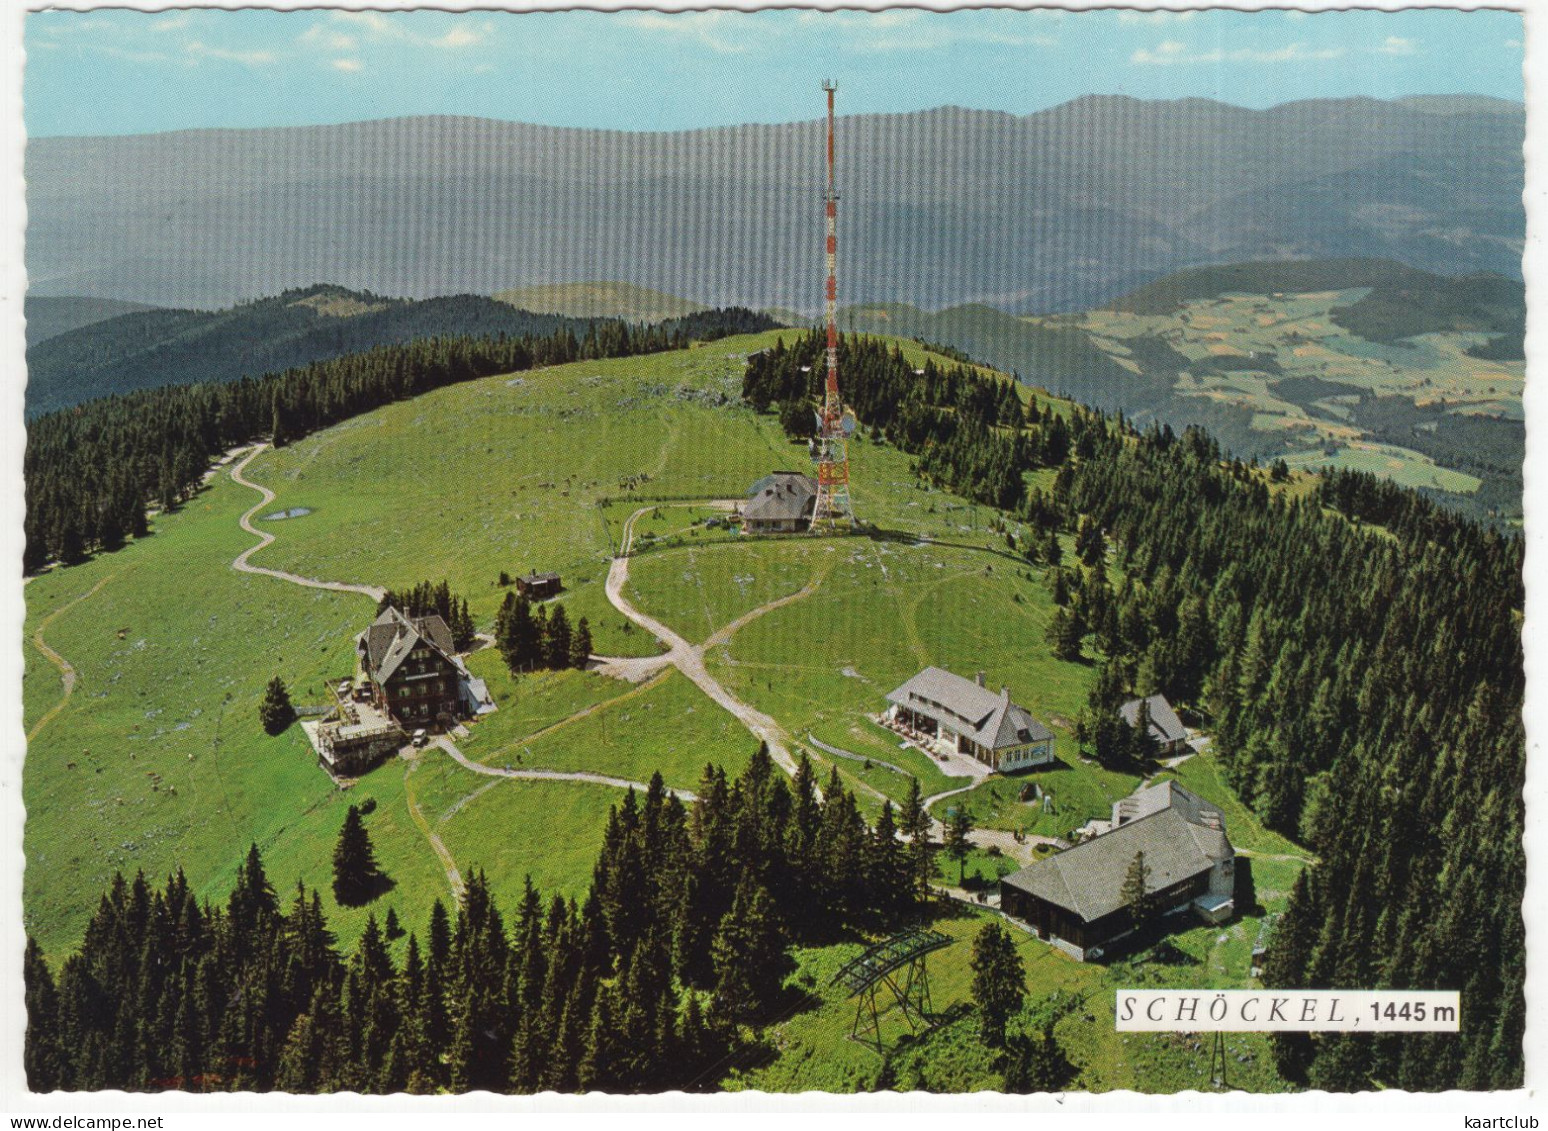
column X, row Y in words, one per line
column 580, row 644
column 356, row 878
column 889, row 875
column 276, row 712
column 557, row 645
column 41, row 1055
column 1065, row 634
column 999, row 981
column 1052, row 554
column 916, row 824
column 955, row 840
column 748, row 954
column 1142, row 742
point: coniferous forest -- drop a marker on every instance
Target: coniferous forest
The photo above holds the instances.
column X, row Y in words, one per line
column 655, row 980
column 1355, row 653
column 93, row 470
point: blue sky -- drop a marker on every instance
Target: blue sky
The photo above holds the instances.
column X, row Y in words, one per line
column 123, row 72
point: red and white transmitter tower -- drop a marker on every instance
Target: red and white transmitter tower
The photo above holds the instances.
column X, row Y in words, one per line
column 830, row 448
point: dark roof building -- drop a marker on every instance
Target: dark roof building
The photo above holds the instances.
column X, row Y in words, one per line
column 1166, row 729
column 412, row 667
column 966, row 715
column 1075, row 898
column 780, row 503
column 539, row 585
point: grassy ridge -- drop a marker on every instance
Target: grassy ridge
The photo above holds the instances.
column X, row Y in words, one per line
column 600, row 300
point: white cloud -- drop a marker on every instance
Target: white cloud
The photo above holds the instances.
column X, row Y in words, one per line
column 373, row 23
column 1295, row 14
column 198, row 50
column 1397, row 45
column 379, row 28
column 894, row 30
column 1154, row 17
column 1173, row 53
column 326, row 38
column 463, row 36
column 1513, row 43
column 349, row 66
column 705, row 28
column 173, row 23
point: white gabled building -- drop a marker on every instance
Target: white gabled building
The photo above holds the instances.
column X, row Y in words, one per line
column 970, row 718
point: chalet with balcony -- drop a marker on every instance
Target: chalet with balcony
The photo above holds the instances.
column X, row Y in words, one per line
column 942, row 710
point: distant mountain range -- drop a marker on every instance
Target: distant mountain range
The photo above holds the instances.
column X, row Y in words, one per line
column 50, row 317
column 147, row 348
column 1059, row 210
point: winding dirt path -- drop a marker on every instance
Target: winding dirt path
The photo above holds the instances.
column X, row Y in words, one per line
column 437, row 845
column 724, row 635
column 690, row 660
column 66, row 670
column 586, row 712
column 241, row 564
column 466, row 763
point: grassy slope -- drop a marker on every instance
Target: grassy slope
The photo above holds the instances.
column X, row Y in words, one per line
column 504, row 477
column 883, row 608
column 175, row 695
column 600, row 300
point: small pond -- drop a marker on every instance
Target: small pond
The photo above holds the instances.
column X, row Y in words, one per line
column 293, row 512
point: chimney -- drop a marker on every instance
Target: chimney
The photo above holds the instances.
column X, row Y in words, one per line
column 980, row 678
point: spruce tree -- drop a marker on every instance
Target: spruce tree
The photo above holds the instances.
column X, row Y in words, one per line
column 955, row 840
column 1136, row 893
column 556, row 646
column 580, row 644
column 1065, row 634
column 356, row 878
column 276, row 712
column 41, row 1054
column 999, row 981
column 915, row 823
column 748, row 954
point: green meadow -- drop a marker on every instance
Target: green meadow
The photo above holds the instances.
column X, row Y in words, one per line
column 156, row 760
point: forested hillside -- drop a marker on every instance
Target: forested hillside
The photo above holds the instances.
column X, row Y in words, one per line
column 1364, row 686
column 48, row 317
column 1162, row 184
column 91, row 472
column 151, row 348
column 1403, row 302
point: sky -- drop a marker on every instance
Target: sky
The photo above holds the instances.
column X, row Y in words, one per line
column 126, row 72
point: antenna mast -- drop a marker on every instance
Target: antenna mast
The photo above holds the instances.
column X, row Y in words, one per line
column 830, row 449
